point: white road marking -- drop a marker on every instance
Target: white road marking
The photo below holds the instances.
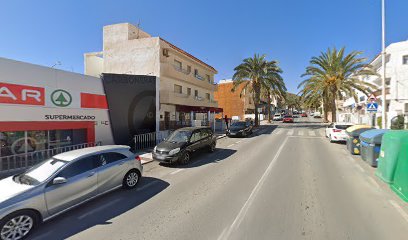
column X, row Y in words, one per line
column 231, row 145
column 238, row 219
column 312, row 133
column 290, row 132
column 278, row 131
column 146, row 186
column 300, row 133
column 99, row 208
column 239, row 141
column 306, row 137
column 399, row 209
column 177, row 171
column 373, row 182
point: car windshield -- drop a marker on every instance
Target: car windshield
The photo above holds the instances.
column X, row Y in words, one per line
column 343, row 127
column 238, row 124
column 40, row 172
column 179, row 136
column 277, row 115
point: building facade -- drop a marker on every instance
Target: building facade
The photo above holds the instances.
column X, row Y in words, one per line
column 186, row 83
column 396, row 88
column 234, row 104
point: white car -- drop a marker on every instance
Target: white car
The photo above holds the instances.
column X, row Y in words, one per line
column 336, row 132
column 277, row 117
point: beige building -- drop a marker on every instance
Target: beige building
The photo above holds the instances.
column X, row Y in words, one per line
column 186, row 83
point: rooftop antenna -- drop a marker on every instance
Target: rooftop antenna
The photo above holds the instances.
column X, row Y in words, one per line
column 57, row 63
column 138, row 29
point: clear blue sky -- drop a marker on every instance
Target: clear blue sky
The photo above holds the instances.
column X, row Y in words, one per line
column 220, row 32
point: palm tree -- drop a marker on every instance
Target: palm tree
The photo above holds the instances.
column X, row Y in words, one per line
column 256, row 74
column 314, row 94
column 334, row 75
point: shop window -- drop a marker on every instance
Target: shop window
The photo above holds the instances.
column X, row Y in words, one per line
column 12, row 143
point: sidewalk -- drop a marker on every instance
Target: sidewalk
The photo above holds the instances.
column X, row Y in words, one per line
column 146, row 155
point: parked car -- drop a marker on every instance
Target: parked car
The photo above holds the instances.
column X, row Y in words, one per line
column 317, row 115
column 295, row 116
column 304, row 114
column 239, row 129
column 336, row 132
column 61, row 183
column 312, row 114
column 182, row 143
column 288, row 119
column 277, row 117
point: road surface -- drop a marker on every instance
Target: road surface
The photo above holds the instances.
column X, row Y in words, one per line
column 284, row 182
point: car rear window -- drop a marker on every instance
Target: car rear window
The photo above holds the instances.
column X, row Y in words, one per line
column 343, row 127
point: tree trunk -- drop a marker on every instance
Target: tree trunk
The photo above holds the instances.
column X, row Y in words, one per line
column 256, row 103
column 269, row 107
column 325, row 111
column 333, row 109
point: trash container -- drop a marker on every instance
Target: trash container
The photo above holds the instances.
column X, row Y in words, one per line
column 353, row 141
column 400, row 183
column 391, row 145
column 370, row 145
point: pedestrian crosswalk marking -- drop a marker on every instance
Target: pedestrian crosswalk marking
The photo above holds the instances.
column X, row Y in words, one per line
column 312, row 133
column 278, row 131
column 300, row 133
column 290, row 132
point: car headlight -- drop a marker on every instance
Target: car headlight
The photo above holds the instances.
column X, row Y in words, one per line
column 174, row 151
column 154, row 149
column 241, row 130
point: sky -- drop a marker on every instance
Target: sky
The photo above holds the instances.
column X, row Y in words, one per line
column 219, row 32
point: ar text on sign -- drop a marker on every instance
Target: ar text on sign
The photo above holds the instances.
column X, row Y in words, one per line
column 21, row 94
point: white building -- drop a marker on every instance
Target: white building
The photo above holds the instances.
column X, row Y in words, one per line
column 396, row 87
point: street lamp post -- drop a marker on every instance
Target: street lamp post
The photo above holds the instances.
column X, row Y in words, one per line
column 384, row 102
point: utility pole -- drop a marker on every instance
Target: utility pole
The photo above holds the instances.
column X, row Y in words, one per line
column 384, row 102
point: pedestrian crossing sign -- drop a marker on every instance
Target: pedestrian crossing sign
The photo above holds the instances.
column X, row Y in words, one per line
column 372, row 107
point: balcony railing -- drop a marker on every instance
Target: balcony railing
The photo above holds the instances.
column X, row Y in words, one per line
column 199, row 77
column 178, row 69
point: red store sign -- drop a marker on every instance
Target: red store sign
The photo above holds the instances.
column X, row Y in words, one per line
column 21, row 94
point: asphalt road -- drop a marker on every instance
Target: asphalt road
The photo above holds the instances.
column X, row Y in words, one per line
column 284, row 182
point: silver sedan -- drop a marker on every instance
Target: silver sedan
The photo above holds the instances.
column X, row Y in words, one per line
column 61, row 183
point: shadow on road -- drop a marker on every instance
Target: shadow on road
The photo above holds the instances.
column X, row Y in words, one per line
column 99, row 211
column 201, row 158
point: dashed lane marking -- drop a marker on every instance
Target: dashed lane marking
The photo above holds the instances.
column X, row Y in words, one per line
column 238, row 219
column 290, row 132
column 99, row 208
column 146, row 186
column 177, row 171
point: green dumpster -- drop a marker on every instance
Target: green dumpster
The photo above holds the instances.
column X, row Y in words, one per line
column 400, row 183
column 391, row 146
column 353, row 141
column 370, row 145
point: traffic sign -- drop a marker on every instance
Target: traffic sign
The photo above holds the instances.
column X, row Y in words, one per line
column 372, row 98
column 372, row 107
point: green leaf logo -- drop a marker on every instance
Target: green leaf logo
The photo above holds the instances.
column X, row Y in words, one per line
column 61, row 98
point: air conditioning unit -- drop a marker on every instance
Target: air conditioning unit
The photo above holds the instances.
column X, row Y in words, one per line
column 166, row 52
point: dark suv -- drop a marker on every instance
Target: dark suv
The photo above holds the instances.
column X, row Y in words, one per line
column 179, row 146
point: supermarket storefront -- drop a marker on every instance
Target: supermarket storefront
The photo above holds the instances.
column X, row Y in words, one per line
column 44, row 108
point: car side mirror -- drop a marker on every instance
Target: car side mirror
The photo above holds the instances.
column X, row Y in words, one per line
column 59, row 180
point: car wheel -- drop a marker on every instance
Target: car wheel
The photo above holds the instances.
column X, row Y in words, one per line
column 185, row 158
column 131, row 179
column 18, row 225
column 212, row 147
